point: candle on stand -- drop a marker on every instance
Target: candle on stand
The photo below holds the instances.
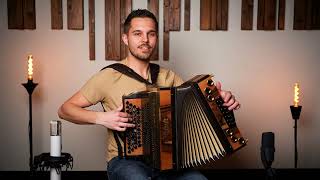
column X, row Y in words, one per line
column 30, row 67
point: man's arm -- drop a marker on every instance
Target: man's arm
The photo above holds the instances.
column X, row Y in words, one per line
column 73, row 110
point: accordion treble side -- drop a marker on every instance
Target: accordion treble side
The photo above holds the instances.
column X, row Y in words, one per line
column 181, row 127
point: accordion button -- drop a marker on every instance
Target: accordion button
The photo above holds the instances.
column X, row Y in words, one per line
column 208, row 90
column 229, row 132
column 210, row 98
column 242, row 140
column 210, row 82
column 234, row 139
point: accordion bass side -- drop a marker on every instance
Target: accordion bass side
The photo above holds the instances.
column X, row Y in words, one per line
column 181, row 127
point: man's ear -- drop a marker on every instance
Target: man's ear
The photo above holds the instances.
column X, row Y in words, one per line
column 125, row 38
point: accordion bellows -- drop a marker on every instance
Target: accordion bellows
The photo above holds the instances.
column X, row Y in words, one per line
column 180, row 127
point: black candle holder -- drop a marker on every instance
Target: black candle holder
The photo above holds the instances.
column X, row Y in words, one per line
column 295, row 112
column 30, row 86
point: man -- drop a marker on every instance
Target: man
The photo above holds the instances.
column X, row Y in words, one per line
column 108, row 86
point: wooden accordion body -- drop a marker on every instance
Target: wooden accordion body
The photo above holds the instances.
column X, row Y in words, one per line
column 180, row 127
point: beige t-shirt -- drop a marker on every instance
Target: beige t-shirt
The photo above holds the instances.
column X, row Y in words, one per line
column 108, row 86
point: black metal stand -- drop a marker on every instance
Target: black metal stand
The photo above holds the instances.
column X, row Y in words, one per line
column 44, row 162
column 30, row 86
column 295, row 111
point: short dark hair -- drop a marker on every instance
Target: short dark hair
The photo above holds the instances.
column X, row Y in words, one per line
column 142, row 13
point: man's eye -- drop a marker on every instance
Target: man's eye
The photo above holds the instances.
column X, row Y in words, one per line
column 152, row 34
column 136, row 34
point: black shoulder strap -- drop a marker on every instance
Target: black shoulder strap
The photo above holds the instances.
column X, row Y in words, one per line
column 154, row 71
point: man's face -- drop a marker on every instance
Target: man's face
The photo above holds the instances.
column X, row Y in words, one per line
column 141, row 38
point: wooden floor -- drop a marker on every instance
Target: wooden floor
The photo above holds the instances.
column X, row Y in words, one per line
column 212, row 174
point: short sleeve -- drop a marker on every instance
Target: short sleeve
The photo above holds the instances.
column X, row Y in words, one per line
column 92, row 89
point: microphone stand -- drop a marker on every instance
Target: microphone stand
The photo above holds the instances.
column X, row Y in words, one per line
column 267, row 155
column 270, row 172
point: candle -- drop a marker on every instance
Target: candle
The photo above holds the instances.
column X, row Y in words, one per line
column 30, row 67
column 296, row 94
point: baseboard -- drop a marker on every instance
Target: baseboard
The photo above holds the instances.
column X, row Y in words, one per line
column 210, row 174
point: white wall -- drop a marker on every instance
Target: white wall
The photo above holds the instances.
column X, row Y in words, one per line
column 259, row 67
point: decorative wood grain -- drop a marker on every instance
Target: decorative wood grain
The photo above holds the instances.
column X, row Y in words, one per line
column 56, row 14
column 112, row 29
column 75, row 14
column 247, row 15
column 205, row 14
column 316, row 15
column 174, row 15
column 222, row 14
column 92, row 46
column 15, row 14
column 260, row 16
column 213, row 16
column 270, row 15
column 126, row 8
column 306, row 15
column 300, row 8
column 187, row 15
column 21, row 14
column 29, row 14
column 266, row 15
column 281, row 14
column 153, row 6
column 166, row 28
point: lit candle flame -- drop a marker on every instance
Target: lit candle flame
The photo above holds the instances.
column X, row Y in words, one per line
column 30, row 67
column 296, row 94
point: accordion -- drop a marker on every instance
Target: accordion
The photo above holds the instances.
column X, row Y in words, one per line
column 180, row 127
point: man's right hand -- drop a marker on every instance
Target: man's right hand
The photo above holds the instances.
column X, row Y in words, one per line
column 115, row 120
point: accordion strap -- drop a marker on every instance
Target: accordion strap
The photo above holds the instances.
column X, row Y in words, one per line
column 154, row 71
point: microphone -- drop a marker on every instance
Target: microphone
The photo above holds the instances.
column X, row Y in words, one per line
column 55, row 147
column 267, row 149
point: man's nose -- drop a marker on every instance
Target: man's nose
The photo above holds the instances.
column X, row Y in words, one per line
column 145, row 38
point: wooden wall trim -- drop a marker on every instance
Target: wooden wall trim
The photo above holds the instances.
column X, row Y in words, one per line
column 306, row 15
column 214, row 14
column 56, row 14
column 126, row 8
column 174, row 15
column 112, row 29
column 21, row 14
column 75, row 14
column 166, row 28
column 29, row 14
column 187, row 15
column 92, row 46
column 15, row 14
column 247, row 14
column 281, row 14
column 266, row 15
column 205, row 14
column 153, row 6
